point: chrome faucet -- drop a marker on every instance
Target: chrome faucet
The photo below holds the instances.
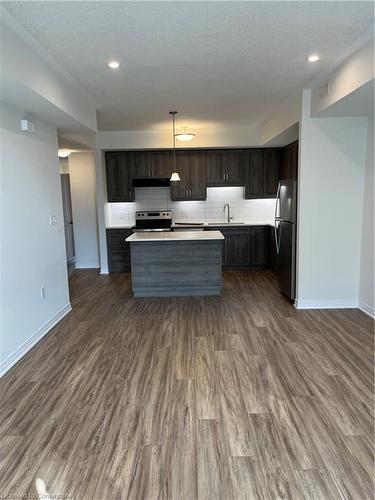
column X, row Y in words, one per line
column 229, row 218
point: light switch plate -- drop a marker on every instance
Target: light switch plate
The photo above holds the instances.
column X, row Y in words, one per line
column 52, row 220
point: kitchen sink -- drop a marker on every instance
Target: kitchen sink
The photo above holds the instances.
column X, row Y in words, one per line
column 234, row 223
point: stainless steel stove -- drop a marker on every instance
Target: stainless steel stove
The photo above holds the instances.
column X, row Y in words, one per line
column 155, row 220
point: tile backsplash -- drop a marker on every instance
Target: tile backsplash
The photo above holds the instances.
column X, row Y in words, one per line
column 211, row 210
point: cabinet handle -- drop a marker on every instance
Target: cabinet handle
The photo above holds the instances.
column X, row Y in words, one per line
column 223, row 176
column 130, row 195
column 187, row 193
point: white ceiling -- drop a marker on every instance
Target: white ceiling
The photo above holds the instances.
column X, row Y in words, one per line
column 218, row 63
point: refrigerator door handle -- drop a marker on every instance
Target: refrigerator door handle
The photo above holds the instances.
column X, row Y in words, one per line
column 277, row 199
column 276, row 218
column 276, row 239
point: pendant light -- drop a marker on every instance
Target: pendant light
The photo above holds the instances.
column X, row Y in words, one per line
column 185, row 135
column 174, row 177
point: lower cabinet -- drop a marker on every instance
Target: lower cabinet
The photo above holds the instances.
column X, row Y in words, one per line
column 246, row 246
column 259, row 255
column 118, row 250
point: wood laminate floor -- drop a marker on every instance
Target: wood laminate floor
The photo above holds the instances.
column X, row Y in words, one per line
column 234, row 397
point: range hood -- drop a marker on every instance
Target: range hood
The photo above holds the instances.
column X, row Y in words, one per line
column 151, row 181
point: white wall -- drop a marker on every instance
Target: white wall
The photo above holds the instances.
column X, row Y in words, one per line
column 353, row 73
column 287, row 116
column 366, row 285
column 205, row 138
column 32, row 251
column 28, row 72
column 210, row 210
column 331, row 180
column 85, row 225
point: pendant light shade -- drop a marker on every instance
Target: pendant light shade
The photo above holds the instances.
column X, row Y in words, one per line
column 174, row 177
column 185, row 135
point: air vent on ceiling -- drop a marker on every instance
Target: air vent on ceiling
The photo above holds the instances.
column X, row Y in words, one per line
column 325, row 89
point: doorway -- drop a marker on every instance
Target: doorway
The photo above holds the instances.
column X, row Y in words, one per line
column 68, row 221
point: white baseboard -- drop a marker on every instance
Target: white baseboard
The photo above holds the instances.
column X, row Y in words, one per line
column 367, row 309
column 30, row 342
column 87, row 265
column 104, row 270
column 326, row 304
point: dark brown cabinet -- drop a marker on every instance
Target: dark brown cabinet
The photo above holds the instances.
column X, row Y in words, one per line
column 271, row 165
column 224, row 167
column 119, row 176
column 140, row 162
column 191, row 168
column 259, row 246
column 161, row 163
column 237, row 247
column 259, row 170
column 246, row 246
column 233, row 167
column 289, row 162
column 118, row 250
column 253, row 173
column 262, row 172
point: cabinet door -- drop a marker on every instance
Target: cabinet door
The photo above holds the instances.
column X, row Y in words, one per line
column 197, row 176
column 272, row 165
column 180, row 189
column 161, row 163
column 215, row 168
column 119, row 177
column 260, row 246
column 294, row 171
column 237, row 248
column 118, row 250
column 289, row 161
column 141, row 163
column 253, row 173
column 233, row 167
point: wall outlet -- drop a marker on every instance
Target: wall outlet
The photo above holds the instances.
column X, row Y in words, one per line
column 52, row 220
column 42, row 292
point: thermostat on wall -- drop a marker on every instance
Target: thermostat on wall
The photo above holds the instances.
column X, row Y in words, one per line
column 27, row 126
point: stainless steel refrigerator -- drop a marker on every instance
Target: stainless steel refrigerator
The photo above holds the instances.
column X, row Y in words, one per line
column 285, row 235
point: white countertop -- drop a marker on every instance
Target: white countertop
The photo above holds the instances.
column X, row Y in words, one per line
column 203, row 224
column 176, row 236
column 223, row 224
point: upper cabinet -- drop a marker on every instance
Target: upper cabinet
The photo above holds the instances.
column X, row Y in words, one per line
column 140, row 163
column 272, row 165
column 161, row 163
column 262, row 172
column 259, row 170
column 119, row 177
column 191, row 169
column 289, row 163
column 224, row 167
column 151, row 163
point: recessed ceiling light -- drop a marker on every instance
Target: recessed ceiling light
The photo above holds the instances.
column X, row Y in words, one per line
column 313, row 58
column 114, row 64
column 64, row 153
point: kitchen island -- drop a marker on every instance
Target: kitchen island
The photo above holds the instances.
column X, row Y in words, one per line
column 169, row 264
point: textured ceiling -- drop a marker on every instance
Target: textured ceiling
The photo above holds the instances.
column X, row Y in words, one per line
column 218, row 63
